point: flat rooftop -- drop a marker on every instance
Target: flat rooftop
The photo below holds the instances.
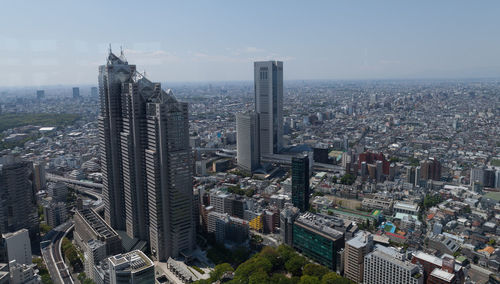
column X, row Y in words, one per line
column 319, row 224
column 97, row 223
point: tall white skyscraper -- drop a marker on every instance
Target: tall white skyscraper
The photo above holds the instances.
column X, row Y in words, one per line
column 268, row 84
column 247, row 141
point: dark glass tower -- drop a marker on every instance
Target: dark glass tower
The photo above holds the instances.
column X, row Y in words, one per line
column 300, row 182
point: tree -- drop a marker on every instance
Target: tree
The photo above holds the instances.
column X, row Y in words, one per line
column 316, row 270
column 273, row 256
column 259, row 277
column 330, row 278
column 308, row 279
column 278, row 278
column 295, row 264
column 219, row 270
column 286, row 252
column 251, row 266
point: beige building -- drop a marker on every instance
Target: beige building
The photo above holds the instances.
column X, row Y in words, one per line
column 354, row 255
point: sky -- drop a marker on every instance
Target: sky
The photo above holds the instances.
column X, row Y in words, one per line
column 63, row 42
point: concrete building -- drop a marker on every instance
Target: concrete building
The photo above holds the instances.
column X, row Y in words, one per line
column 477, row 176
column 17, row 199
column 287, row 218
column 268, row 84
column 55, row 212
column 386, row 265
column 94, row 92
column 314, row 237
column 23, row 273
column 39, row 176
column 18, row 246
column 40, row 94
column 406, row 208
column 354, row 255
column 58, row 191
column 430, row 169
column 247, row 141
column 90, row 226
column 300, row 182
column 94, row 252
column 76, row 93
column 133, row 267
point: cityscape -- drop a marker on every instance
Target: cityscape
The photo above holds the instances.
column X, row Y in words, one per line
column 264, row 179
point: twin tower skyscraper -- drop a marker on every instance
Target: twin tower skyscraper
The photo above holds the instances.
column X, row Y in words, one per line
column 145, row 160
column 260, row 132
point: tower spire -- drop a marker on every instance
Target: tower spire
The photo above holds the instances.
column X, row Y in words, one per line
column 110, row 51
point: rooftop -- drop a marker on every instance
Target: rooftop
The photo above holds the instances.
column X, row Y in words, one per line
column 320, row 224
column 441, row 274
column 134, row 261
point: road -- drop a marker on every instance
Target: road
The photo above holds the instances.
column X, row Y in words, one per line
column 52, row 255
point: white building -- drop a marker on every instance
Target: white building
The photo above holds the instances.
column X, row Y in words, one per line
column 18, row 246
column 406, row 208
column 386, row 265
column 247, row 141
column 132, row 267
column 22, row 273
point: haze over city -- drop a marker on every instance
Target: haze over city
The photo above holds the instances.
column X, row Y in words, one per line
column 62, row 42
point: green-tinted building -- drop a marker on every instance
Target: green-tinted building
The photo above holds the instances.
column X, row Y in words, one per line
column 300, row 182
column 314, row 237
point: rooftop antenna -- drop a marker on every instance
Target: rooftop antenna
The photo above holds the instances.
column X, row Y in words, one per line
column 121, row 50
column 110, row 48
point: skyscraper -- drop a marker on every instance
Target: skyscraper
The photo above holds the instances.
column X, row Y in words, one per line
column 146, row 162
column 268, row 84
column 300, row 182
column 247, row 141
column 169, row 177
column 430, row 169
column 76, row 93
column 112, row 78
column 94, row 92
column 17, row 200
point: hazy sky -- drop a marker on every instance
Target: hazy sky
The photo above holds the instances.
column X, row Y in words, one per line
column 63, row 42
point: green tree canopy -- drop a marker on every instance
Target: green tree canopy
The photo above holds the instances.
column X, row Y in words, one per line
column 295, row 264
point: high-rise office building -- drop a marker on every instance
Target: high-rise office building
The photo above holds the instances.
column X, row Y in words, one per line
column 169, row 177
column 314, row 237
column 94, row 92
column 287, row 218
column 410, row 174
column 17, row 200
column 418, row 170
column 39, row 176
column 76, row 93
column 268, row 84
column 40, row 94
column 300, row 182
column 354, row 255
column 247, row 141
column 430, row 169
column 146, row 159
